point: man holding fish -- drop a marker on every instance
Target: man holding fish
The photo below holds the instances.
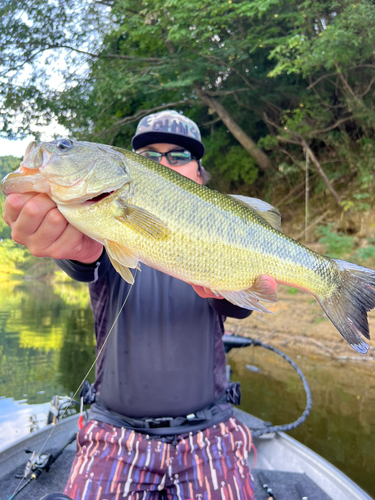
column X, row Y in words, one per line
column 162, row 405
column 162, row 423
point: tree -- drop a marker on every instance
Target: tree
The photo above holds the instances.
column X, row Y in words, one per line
column 7, row 164
column 283, row 77
column 160, row 52
column 40, row 41
column 332, row 48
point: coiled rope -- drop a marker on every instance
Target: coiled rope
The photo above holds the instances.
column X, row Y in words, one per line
column 235, row 341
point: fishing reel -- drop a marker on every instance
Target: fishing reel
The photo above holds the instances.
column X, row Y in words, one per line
column 61, row 406
column 36, row 464
column 64, row 406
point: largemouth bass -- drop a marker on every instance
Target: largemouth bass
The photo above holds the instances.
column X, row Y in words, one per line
column 142, row 211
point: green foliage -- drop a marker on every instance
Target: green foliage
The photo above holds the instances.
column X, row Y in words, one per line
column 268, row 142
column 5, row 231
column 230, row 165
column 365, row 255
column 16, row 260
column 337, row 244
column 32, row 54
column 358, row 203
column 343, row 33
column 12, row 258
column 13, row 253
column 7, row 164
column 239, row 166
column 288, row 73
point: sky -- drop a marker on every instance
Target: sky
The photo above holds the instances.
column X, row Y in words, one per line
column 17, row 148
column 14, row 148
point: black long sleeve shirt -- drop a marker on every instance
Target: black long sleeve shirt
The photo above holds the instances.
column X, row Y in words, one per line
column 165, row 355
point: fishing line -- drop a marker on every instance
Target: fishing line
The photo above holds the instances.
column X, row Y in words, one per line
column 18, row 487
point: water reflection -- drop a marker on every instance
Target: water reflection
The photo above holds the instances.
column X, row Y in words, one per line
column 18, row 419
column 46, row 348
column 342, row 422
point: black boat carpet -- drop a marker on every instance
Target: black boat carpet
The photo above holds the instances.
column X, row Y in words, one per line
column 287, row 486
column 283, row 484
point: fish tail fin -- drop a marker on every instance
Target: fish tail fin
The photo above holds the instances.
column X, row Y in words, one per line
column 347, row 307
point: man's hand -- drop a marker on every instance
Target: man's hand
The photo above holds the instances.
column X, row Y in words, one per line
column 37, row 223
column 205, row 293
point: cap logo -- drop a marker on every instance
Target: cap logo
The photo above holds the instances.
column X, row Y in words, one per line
column 181, row 126
column 174, row 127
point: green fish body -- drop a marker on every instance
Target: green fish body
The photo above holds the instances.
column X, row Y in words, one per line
column 142, row 211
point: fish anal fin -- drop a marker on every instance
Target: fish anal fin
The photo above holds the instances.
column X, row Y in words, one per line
column 122, row 259
column 141, row 220
column 245, row 299
column 269, row 213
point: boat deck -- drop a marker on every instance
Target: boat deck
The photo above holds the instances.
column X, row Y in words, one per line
column 286, row 485
column 283, row 483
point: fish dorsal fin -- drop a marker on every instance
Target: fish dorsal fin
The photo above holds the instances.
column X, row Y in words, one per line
column 264, row 288
column 121, row 259
column 141, row 220
column 264, row 209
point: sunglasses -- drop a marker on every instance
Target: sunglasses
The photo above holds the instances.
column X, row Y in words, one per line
column 173, row 157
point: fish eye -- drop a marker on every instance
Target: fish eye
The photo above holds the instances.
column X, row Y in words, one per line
column 64, row 144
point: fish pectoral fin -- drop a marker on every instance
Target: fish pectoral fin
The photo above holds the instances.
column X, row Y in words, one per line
column 141, row 220
column 269, row 213
column 121, row 259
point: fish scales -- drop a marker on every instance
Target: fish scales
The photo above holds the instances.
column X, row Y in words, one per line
column 144, row 212
column 217, row 254
column 222, row 244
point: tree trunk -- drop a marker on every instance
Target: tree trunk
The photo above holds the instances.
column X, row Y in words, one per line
column 300, row 141
column 321, row 172
column 246, row 142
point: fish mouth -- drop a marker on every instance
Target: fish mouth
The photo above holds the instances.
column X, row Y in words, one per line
column 23, row 180
column 98, row 198
column 22, row 172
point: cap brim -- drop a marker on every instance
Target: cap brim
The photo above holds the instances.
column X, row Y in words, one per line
column 195, row 147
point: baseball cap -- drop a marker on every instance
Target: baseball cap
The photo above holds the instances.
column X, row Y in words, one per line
column 171, row 127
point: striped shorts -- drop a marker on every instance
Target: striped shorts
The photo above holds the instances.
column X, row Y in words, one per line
column 115, row 463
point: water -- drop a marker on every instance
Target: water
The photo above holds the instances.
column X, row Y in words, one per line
column 47, row 346
column 341, row 425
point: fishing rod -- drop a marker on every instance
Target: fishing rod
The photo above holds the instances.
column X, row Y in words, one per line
column 35, row 474
column 38, row 464
column 42, row 462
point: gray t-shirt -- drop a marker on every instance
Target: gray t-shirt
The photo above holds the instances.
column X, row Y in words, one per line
column 165, row 355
